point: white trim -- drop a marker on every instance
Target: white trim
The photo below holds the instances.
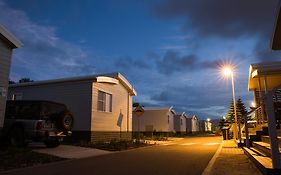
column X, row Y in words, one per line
column 10, row 37
column 260, row 70
column 103, row 79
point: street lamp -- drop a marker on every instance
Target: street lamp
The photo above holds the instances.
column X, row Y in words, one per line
column 253, row 104
column 228, row 71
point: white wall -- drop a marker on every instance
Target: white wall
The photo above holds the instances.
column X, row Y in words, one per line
column 75, row 95
column 160, row 120
column 5, row 62
column 121, row 102
column 195, row 124
column 180, row 123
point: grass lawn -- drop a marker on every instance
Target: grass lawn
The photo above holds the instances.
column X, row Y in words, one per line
column 13, row 158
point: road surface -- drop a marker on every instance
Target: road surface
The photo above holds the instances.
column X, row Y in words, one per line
column 188, row 156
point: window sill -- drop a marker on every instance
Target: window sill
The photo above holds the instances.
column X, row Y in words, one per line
column 105, row 112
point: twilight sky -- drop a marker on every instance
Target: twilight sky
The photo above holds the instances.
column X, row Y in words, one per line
column 170, row 50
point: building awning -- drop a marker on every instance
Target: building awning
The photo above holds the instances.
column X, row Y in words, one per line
column 276, row 38
column 271, row 71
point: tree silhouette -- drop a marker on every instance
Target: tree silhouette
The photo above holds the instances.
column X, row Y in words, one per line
column 25, row 80
column 136, row 104
column 240, row 110
column 11, row 82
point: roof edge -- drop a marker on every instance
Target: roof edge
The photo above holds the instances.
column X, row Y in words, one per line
column 117, row 76
column 10, row 37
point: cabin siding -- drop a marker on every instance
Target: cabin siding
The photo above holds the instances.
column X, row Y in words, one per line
column 104, row 124
column 180, row 124
column 80, row 94
column 107, row 121
column 154, row 120
column 75, row 95
column 5, row 62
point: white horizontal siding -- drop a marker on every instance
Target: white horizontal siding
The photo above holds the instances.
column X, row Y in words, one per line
column 75, row 95
column 158, row 119
column 180, row 126
column 5, row 62
column 107, row 121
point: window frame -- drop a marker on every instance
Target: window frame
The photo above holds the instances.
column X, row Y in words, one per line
column 103, row 102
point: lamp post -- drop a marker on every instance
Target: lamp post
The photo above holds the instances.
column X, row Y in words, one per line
column 229, row 72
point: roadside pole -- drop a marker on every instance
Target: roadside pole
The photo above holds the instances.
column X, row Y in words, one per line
column 138, row 111
column 119, row 123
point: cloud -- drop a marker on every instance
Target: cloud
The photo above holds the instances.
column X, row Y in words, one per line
column 174, row 47
column 172, row 62
column 263, row 53
column 206, row 100
column 226, row 20
column 44, row 54
column 131, row 63
column 221, row 18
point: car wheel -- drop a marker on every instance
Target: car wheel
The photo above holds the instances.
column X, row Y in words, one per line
column 65, row 121
column 16, row 137
column 52, row 143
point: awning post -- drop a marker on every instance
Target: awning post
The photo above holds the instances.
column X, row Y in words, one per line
column 246, row 131
column 260, row 118
column 272, row 130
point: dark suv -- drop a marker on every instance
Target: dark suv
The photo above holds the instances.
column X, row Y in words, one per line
column 44, row 121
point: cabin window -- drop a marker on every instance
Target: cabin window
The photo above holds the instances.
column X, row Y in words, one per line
column 168, row 120
column 104, row 101
column 181, row 121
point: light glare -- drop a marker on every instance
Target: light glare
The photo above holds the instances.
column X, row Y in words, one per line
column 227, row 71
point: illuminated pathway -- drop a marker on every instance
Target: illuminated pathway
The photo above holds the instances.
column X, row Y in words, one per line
column 187, row 156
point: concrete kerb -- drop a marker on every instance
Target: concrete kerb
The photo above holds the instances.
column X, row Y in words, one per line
column 208, row 169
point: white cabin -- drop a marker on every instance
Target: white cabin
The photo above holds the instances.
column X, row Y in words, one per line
column 192, row 124
column 8, row 42
column 180, row 123
column 96, row 101
column 158, row 119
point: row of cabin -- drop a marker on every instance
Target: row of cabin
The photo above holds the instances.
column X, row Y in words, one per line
column 165, row 120
column 97, row 101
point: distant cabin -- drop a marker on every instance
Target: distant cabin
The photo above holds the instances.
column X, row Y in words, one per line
column 180, row 123
column 96, row 102
column 155, row 119
column 8, row 42
column 192, row 124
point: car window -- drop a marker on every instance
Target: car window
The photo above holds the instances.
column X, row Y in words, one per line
column 52, row 109
column 11, row 110
column 29, row 111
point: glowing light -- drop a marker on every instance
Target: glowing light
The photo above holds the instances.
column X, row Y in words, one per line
column 208, row 119
column 227, row 71
column 253, row 104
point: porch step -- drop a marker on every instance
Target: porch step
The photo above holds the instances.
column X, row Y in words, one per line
column 266, row 140
column 263, row 147
column 262, row 162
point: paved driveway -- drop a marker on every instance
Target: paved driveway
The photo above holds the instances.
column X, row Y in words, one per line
column 68, row 151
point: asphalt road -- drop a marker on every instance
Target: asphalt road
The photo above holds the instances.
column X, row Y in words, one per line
column 188, row 156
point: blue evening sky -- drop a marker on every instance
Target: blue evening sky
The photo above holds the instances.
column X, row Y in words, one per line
column 170, row 50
